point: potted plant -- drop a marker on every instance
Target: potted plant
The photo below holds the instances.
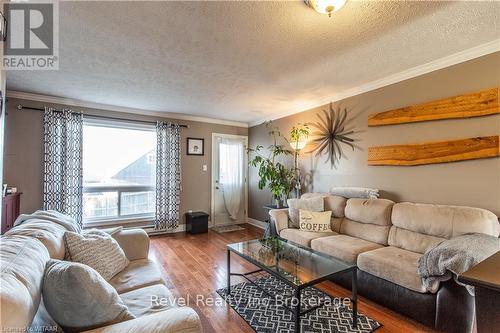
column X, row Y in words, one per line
column 273, row 173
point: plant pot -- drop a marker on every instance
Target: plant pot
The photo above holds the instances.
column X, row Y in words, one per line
column 279, row 203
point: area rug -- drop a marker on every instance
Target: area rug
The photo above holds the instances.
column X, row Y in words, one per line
column 265, row 313
column 227, row 228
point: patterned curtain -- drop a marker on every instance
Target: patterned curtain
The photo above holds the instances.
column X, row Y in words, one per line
column 62, row 180
column 168, row 176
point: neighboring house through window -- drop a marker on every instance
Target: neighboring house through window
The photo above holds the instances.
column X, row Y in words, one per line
column 119, row 162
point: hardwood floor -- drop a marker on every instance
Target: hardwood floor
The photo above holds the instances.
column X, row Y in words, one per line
column 196, row 265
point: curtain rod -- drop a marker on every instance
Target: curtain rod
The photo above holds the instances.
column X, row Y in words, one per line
column 21, row 107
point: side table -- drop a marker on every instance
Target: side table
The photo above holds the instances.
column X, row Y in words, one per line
column 485, row 278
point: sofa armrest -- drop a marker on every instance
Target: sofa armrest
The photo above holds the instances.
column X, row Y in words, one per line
column 176, row 320
column 134, row 242
column 279, row 219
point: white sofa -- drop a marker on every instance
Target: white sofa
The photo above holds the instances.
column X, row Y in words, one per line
column 24, row 251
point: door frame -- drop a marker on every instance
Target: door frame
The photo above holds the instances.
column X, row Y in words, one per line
column 212, row 181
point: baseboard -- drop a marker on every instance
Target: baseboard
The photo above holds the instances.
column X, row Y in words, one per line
column 257, row 223
column 151, row 230
column 182, row 227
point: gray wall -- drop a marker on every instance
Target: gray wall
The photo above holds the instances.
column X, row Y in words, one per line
column 24, row 155
column 472, row 183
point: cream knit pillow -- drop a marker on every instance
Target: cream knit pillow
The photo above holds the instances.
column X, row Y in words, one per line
column 97, row 249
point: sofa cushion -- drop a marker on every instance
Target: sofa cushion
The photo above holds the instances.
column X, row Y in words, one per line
column 371, row 211
column 177, row 320
column 278, row 219
column 369, row 232
column 49, row 233
column 44, row 319
column 336, row 223
column 393, row 264
column 138, row 274
column 22, row 264
column 314, row 204
column 148, row 300
column 134, row 242
column 334, row 203
column 96, row 249
column 412, row 241
column 303, row 237
column 368, row 219
column 78, row 297
column 344, row 247
column 68, row 222
column 444, row 221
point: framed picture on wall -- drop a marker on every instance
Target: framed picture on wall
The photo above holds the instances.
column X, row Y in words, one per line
column 195, row 146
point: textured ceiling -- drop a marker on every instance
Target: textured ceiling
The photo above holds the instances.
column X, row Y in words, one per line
column 246, row 61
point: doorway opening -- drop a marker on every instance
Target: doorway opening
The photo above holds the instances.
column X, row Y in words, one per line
column 229, row 181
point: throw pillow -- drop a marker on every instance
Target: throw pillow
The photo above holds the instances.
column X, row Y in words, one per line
column 315, row 221
column 96, row 249
column 79, row 299
column 315, row 204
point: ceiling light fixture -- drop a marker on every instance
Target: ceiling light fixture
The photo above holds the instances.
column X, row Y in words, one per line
column 325, row 6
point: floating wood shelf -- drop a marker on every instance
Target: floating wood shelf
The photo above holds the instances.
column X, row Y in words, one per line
column 434, row 152
column 477, row 104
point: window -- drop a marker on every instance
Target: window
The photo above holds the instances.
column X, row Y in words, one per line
column 119, row 176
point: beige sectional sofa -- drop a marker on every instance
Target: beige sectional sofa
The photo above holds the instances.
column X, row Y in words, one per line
column 24, row 251
column 385, row 240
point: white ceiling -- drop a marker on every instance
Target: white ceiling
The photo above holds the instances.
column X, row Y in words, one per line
column 246, row 61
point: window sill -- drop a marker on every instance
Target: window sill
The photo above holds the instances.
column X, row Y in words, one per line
column 120, row 221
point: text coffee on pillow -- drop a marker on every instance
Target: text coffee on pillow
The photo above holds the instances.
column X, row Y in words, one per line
column 315, row 221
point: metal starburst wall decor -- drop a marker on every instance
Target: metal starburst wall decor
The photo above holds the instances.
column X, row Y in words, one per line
column 331, row 135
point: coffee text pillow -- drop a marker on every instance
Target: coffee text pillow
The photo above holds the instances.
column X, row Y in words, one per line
column 96, row 249
column 315, row 204
column 79, row 299
column 315, row 221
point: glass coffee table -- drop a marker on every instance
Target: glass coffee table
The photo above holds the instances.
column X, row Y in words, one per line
column 297, row 266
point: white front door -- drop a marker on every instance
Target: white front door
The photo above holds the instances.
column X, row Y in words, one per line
column 229, row 179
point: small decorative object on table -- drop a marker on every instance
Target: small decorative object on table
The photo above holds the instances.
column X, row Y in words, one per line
column 195, row 146
column 196, row 222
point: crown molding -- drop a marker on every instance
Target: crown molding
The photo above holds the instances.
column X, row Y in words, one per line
column 453, row 59
column 107, row 107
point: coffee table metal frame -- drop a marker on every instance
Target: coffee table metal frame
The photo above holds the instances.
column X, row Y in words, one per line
column 296, row 311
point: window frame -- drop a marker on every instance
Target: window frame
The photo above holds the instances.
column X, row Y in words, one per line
column 129, row 218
